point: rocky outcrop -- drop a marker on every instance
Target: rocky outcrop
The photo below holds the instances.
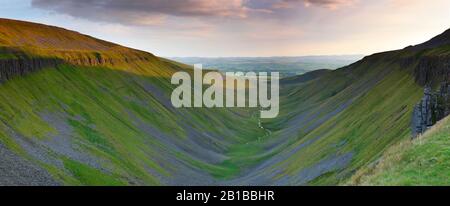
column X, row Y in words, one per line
column 433, row 107
column 20, row 66
column 432, row 69
column 97, row 59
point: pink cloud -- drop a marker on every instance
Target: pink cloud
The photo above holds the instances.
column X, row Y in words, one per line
column 144, row 12
column 330, row 4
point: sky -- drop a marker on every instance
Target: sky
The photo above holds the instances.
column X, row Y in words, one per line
column 231, row 28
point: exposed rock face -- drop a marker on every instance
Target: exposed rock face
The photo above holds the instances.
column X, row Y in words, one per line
column 433, row 107
column 101, row 60
column 26, row 47
column 21, row 66
column 435, row 68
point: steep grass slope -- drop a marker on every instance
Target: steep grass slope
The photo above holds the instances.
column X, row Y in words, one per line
column 80, row 111
column 102, row 115
column 332, row 125
column 424, row 161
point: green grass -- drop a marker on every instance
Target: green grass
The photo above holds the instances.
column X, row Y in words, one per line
column 378, row 117
column 89, row 176
column 114, row 117
column 423, row 161
column 98, row 102
column 101, row 106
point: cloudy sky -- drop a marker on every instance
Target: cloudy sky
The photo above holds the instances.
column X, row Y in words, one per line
column 244, row 27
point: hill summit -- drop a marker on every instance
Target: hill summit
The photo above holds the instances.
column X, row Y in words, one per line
column 440, row 40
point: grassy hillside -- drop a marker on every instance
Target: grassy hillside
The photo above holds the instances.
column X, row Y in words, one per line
column 102, row 124
column 335, row 124
column 92, row 122
column 343, row 120
column 101, row 115
column 424, row 161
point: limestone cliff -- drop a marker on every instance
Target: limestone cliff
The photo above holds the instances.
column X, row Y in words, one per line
column 20, row 66
column 27, row 47
column 433, row 107
column 432, row 69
